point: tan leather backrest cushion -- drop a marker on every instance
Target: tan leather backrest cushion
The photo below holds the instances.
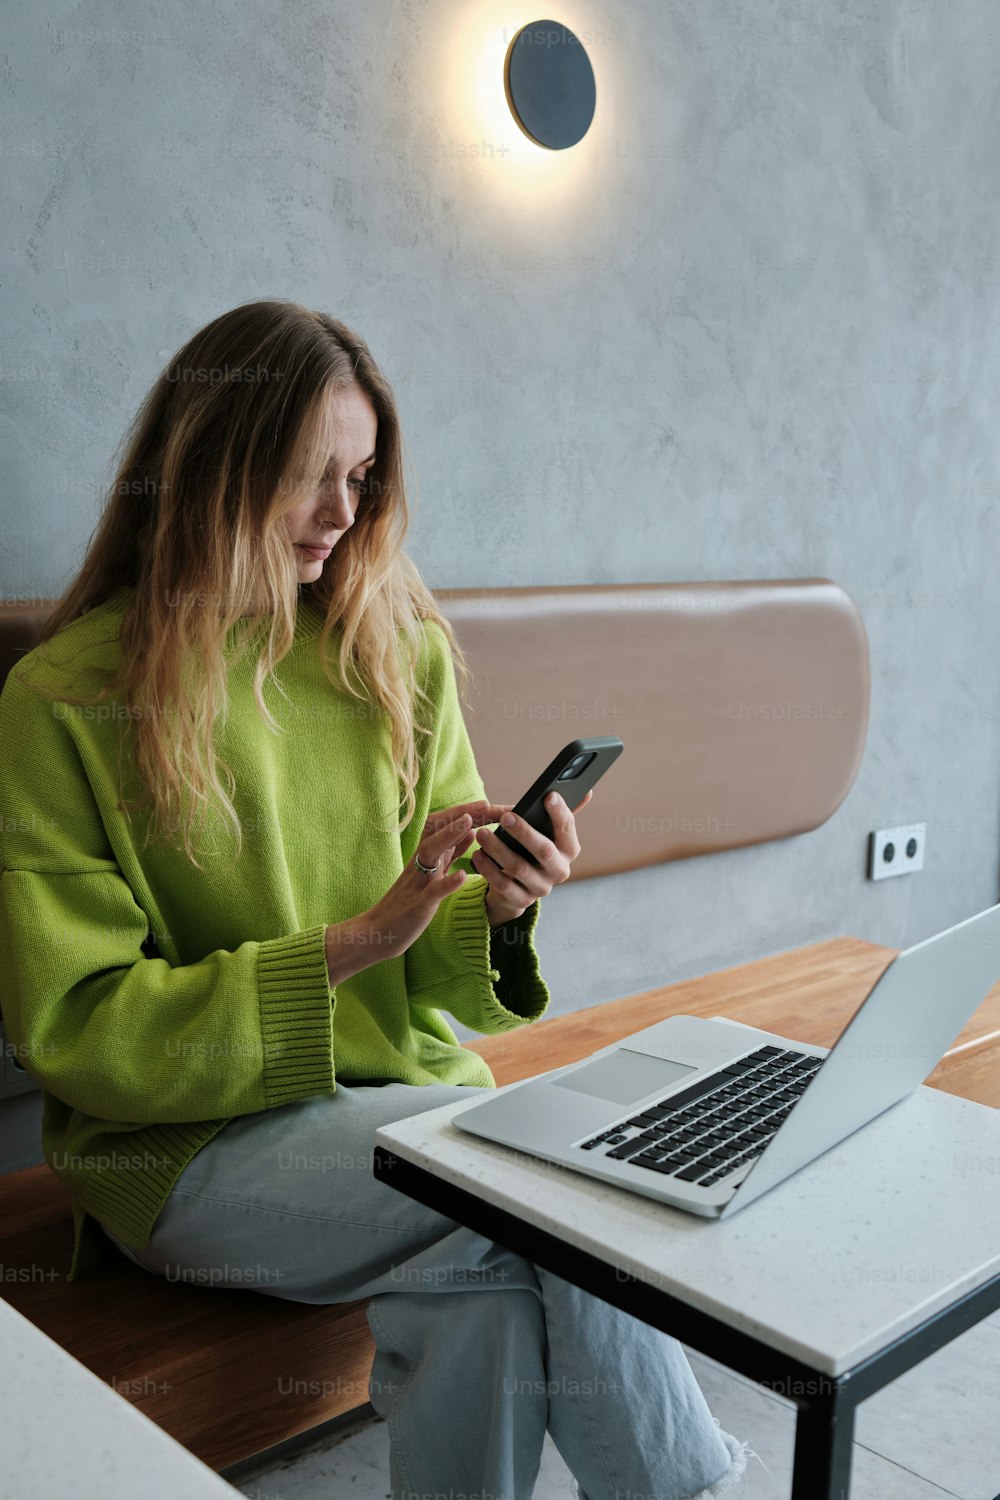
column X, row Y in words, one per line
column 743, row 707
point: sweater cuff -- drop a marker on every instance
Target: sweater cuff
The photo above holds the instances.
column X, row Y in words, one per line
column 296, row 1003
column 513, row 992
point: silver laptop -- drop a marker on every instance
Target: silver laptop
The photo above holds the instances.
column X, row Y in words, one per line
column 707, row 1114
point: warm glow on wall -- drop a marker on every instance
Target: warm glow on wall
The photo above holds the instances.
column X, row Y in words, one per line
column 478, row 114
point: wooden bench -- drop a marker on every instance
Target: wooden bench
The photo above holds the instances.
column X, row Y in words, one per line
column 660, row 665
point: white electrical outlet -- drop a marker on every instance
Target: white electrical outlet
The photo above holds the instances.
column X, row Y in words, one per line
column 896, row 851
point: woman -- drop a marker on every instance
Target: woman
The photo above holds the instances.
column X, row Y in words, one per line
column 220, row 1023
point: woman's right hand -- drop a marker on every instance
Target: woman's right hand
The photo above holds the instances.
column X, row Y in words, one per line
column 398, row 919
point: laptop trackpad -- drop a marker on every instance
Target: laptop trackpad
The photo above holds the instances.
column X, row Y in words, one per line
column 623, row 1076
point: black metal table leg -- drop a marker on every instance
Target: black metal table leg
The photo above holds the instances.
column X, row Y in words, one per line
column 824, row 1437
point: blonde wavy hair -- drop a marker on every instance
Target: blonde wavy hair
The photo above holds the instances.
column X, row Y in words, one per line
column 236, row 432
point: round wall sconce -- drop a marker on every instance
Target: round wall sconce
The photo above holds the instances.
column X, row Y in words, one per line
column 549, row 85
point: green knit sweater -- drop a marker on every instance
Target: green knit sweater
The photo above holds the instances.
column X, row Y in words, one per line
column 145, row 1046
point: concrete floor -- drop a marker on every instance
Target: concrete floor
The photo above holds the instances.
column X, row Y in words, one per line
column 933, row 1433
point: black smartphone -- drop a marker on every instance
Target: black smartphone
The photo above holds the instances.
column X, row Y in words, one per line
column 577, row 767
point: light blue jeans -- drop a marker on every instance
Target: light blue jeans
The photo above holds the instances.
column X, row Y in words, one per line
column 478, row 1351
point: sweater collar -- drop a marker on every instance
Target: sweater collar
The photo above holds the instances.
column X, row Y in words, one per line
column 309, row 615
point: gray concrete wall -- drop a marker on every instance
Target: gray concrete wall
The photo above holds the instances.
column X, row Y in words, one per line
column 747, row 329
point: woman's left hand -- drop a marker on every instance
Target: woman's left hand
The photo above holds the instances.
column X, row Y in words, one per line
column 514, row 883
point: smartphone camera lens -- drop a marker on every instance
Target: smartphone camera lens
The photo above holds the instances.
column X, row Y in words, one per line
column 576, row 765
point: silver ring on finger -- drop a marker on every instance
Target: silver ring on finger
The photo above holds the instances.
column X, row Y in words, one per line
column 423, row 868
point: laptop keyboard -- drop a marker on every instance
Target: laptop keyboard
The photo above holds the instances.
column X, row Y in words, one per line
column 704, row 1132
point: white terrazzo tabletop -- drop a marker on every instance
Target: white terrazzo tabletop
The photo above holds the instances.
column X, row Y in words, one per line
column 66, row 1435
column 878, row 1234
